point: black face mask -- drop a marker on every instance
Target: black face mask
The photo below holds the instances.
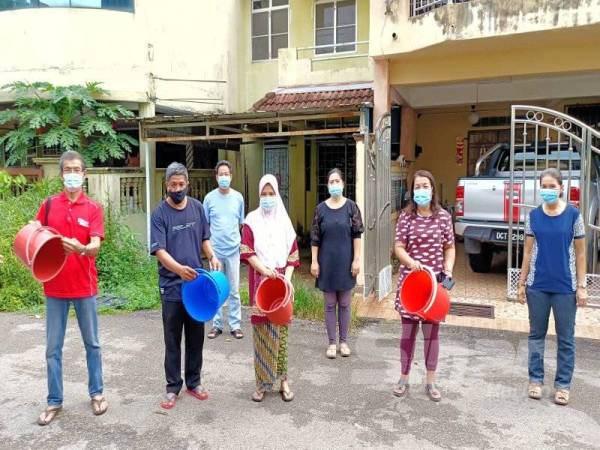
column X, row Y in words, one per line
column 177, row 196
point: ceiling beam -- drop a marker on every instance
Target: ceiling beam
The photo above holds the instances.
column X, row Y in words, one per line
column 275, row 134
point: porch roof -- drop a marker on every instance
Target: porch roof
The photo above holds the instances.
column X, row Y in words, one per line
column 322, row 97
column 251, row 125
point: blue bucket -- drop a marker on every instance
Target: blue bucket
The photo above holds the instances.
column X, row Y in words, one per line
column 204, row 296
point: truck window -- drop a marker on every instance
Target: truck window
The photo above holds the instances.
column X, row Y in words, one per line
column 557, row 160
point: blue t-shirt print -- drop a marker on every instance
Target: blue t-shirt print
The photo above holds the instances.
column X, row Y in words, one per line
column 180, row 233
column 552, row 267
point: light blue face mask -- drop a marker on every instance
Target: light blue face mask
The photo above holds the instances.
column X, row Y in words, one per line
column 224, row 181
column 422, row 197
column 336, row 190
column 73, row 181
column 268, row 203
column 549, row 196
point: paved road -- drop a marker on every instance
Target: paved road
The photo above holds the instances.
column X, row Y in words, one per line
column 339, row 404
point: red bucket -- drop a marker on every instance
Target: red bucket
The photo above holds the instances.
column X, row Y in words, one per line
column 41, row 250
column 422, row 295
column 274, row 297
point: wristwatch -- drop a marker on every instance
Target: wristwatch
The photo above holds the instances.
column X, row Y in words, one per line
column 582, row 285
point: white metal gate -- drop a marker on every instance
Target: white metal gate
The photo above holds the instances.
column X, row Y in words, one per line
column 378, row 231
column 542, row 138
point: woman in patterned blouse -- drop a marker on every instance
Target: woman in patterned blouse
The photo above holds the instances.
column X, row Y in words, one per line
column 424, row 237
column 269, row 248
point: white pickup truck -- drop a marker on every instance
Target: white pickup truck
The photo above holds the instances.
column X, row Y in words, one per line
column 483, row 205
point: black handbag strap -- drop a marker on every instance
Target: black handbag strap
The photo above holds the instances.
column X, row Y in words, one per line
column 47, row 210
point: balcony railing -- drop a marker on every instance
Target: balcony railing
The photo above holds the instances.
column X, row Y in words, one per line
column 419, row 7
column 118, row 5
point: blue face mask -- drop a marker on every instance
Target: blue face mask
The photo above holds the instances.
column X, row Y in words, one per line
column 336, row 190
column 549, row 195
column 422, row 197
column 268, row 203
column 73, row 181
column 224, row 181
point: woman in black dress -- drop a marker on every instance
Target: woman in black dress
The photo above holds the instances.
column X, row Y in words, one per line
column 335, row 239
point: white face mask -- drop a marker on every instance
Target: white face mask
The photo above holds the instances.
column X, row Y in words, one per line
column 73, row 181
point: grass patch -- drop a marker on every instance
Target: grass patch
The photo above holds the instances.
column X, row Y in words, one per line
column 308, row 303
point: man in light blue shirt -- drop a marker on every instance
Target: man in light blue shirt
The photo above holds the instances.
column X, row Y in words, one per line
column 224, row 209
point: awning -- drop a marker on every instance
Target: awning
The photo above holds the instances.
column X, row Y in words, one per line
column 322, row 97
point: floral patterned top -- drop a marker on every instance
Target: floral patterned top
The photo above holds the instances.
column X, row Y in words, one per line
column 425, row 239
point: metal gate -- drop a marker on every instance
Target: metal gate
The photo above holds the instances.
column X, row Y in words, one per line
column 542, row 138
column 378, row 230
column 276, row 163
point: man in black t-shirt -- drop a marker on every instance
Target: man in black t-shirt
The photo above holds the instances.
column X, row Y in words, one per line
column 179, row 233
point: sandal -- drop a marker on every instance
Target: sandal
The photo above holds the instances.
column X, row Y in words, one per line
column 99, row 405
column 258, row 395
column 535, row 391
column 170, row 401
column 199, row 392
column 237, row 334
column 561, row 397
column 286, row 394
column 433, row 393
column 214, row 333
column 48, row 415
column 401, row 388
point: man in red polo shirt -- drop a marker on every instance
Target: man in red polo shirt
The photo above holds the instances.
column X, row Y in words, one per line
column 80, row 221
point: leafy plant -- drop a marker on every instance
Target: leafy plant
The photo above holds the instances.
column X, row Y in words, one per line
column 10, row 184
column 64, row 117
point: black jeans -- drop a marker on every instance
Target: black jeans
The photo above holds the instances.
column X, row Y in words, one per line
column 175, row 321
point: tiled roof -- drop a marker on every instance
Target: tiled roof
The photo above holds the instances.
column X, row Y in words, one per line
column 315, row 98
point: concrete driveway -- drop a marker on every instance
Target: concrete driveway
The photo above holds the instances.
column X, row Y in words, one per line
column 344, row 403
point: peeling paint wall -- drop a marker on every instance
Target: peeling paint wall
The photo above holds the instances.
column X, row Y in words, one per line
column 472, row 20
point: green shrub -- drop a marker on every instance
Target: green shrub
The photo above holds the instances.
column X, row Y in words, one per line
column 127, row 275
column 18, row 289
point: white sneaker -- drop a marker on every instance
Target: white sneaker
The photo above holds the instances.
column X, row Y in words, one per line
column 344, row 349
column 331, row 351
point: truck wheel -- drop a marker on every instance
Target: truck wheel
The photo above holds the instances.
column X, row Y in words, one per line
column 481, row 262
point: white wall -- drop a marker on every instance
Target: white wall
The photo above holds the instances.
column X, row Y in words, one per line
column 189, row 39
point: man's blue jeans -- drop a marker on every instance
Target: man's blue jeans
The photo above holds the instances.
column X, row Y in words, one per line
column 231, row 268
column 57, row 312
column 564, row 308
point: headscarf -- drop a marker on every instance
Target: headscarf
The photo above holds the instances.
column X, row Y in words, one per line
column 274, row 234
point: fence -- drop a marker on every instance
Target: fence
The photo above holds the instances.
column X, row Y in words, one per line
column 418, row 7
column 202, row 181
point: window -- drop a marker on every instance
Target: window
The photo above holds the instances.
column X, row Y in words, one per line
column 335, row 26
column 269, row 28
column 119, row 5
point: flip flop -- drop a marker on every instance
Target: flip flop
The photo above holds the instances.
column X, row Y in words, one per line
column 199, row 392
column 535, row 391
column 433, row 393
column 170, row 401
column 286, row 394
column 48, row 415
column 561, row 397
column 99, row 405
column 401, row 388
column 258, row 396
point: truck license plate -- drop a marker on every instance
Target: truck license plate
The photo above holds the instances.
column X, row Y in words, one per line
column 502, row 236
